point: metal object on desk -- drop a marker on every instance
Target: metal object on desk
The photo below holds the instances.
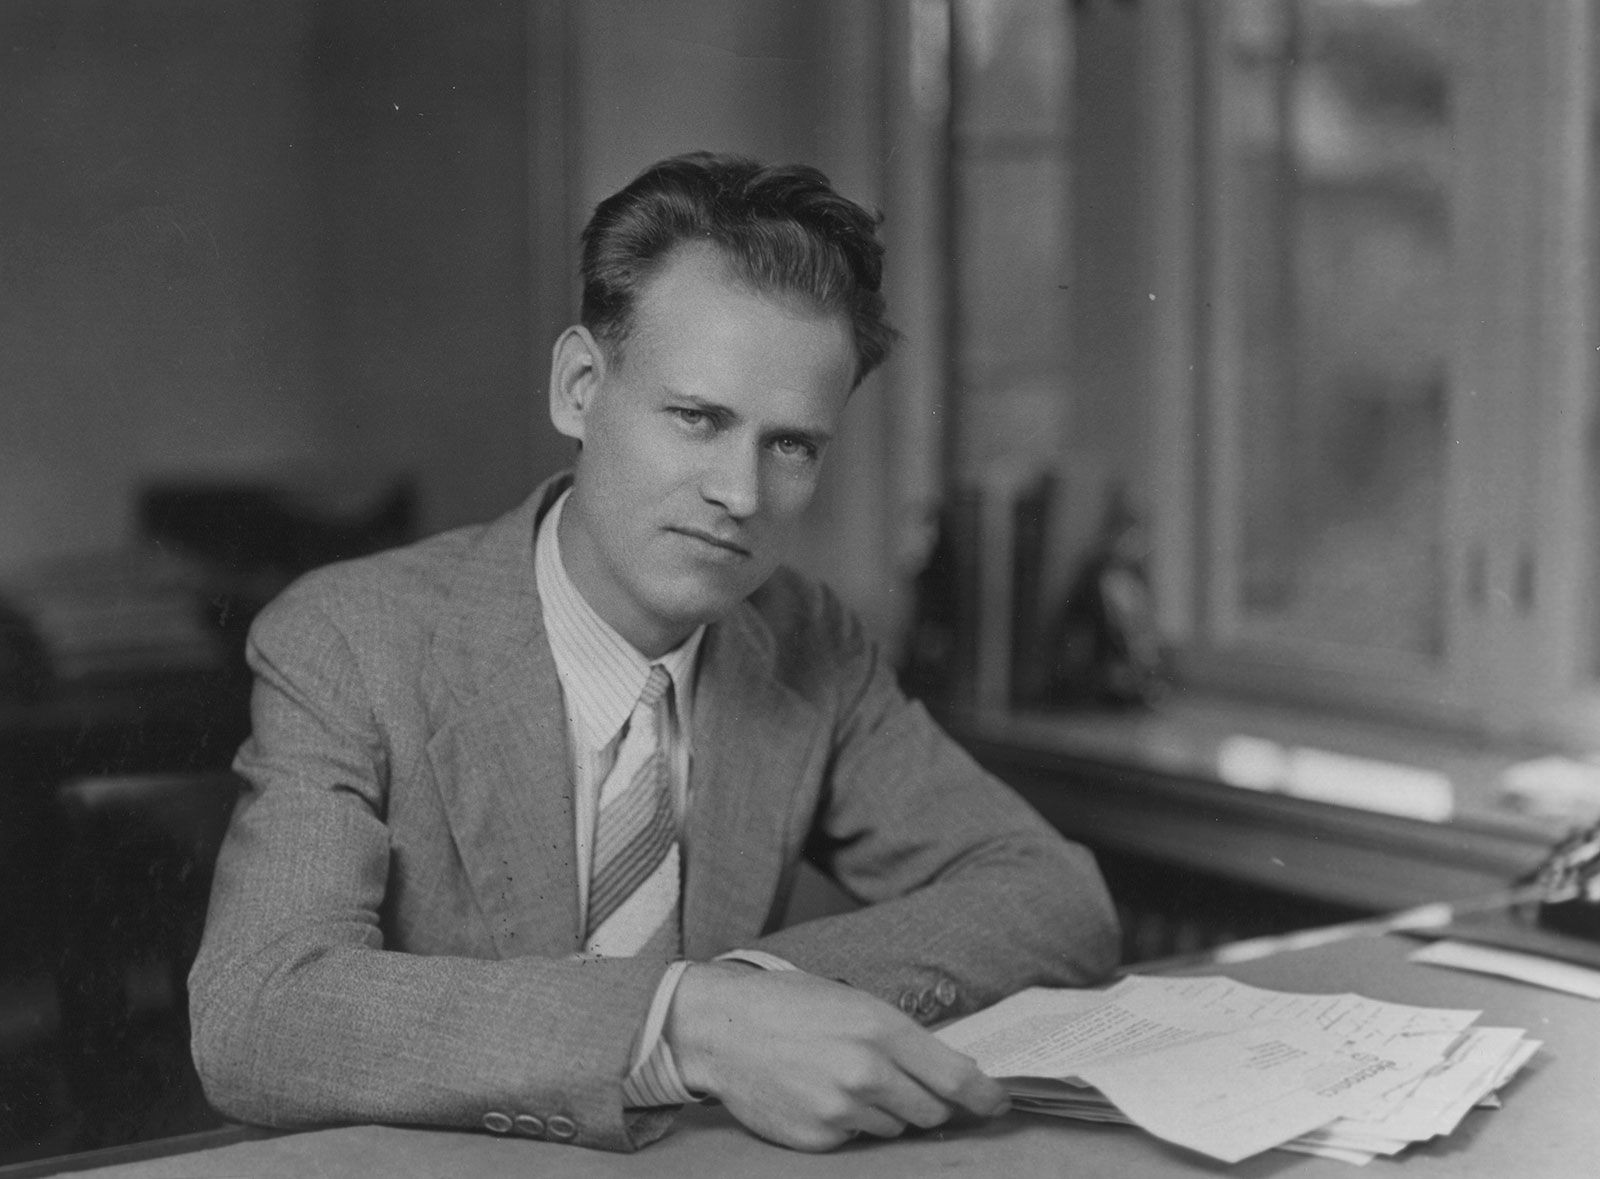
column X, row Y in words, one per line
column 1569, row 885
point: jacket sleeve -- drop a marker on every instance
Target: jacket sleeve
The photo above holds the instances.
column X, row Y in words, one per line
column 968, row 894
column 301, row 1015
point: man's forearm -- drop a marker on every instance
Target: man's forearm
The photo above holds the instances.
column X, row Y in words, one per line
column 298, row 1031
column 1034, row 913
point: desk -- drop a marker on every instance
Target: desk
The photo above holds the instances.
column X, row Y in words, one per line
column 1548, row 1128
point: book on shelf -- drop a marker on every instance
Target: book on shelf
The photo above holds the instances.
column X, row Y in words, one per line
column 1012, row 537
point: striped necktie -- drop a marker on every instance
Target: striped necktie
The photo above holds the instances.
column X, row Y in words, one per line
column 633, row 888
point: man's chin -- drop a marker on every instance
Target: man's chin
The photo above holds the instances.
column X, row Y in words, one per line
column 702, row 604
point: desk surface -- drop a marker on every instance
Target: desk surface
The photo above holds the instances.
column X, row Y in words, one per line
column 1547, row 1129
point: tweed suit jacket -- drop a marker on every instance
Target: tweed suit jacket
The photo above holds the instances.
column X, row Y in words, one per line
column 394, row 926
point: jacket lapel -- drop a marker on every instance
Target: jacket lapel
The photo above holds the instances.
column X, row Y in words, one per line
column 498, row 747
column 754, row 739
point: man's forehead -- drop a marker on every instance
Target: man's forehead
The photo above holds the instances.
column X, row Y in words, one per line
column 697, row 327
column 710, row 268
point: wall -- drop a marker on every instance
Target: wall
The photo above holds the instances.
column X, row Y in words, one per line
column 240, row 237
column 157, row 307
column 674, row 75
column 421, row 158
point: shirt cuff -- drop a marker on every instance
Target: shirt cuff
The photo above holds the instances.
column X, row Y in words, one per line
column 654, row 1078
column 758, row 958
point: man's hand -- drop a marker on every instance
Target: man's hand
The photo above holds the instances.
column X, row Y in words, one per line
column 809, row 1063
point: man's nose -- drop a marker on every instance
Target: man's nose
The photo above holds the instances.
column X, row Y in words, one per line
column 733, row 480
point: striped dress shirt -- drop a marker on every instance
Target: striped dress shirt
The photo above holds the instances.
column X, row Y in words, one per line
column 601, row 677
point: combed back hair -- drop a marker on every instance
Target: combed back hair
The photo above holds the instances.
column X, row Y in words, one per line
column 781, row 229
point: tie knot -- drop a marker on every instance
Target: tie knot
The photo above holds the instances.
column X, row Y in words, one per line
column 655, row 686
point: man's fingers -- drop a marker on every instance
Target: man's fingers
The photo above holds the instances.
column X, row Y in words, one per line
column 984, row 1095
column 877, row 1122
column 951, row 1075
column 907, row 1100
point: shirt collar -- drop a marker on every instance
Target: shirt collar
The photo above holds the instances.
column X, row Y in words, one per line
column 601, row 672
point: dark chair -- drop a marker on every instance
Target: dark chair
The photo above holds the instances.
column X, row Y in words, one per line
column 135, row 880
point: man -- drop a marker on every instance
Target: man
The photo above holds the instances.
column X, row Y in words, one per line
column 525, row 802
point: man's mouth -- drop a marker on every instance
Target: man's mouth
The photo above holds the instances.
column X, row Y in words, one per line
column 726, row 544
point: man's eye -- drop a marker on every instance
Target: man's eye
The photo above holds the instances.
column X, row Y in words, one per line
column 797, row 448
column 692, row 417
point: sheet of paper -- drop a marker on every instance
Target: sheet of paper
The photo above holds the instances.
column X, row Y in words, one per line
column 1524, row 1053
column 1361, row 1021
column 1235, row 1095
column 1434, row 1104
column 1528, row 968
column 1034, row 1036
column 1359, row 1158
column 1006, row 1036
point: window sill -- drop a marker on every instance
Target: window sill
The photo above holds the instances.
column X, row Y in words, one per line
column 1148, row 783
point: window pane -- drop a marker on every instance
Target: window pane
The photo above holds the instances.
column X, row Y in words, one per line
column 1011, row 174
column 1336, row 138
column 1012, row 59
column 1011, row 252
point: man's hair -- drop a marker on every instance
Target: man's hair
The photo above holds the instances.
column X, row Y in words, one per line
column 781, row 229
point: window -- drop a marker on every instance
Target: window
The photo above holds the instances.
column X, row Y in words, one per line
column 1376, row 477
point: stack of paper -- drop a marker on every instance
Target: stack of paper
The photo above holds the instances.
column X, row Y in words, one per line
column 1231, row 1070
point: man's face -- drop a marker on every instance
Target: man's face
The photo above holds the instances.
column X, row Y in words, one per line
column 702, row 446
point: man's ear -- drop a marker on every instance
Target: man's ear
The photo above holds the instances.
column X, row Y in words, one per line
column 577, row 366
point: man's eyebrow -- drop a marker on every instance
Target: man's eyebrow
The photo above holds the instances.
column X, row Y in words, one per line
column 716, row 408
column 815, row 435
column 817, row 438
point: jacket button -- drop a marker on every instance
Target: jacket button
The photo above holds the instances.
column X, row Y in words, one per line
column 945, row 992
column 528, row 1125
column 908, row 1002
column 560, row 1128
column 496, row 1122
